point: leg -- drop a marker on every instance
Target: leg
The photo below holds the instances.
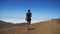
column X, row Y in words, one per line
column 28, row 24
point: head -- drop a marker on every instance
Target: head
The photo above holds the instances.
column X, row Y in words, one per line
column 28, row 10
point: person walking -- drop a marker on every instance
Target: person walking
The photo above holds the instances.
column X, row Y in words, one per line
column 28, row 18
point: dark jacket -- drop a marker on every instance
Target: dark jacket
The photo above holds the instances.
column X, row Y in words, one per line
column 28, row 16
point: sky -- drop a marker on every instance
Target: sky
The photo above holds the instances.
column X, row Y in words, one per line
column 15, row 10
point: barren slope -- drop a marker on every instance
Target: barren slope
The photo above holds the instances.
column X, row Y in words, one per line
column 46, row 27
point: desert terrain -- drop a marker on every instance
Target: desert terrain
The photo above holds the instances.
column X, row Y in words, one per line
column 45, row 27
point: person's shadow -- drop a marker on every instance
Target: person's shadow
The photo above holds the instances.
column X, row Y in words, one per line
column 31, row 28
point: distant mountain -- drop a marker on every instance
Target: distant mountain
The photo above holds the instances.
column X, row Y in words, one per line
column 8, row 25
column 5, row 24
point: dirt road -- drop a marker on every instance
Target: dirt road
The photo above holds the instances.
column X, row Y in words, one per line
column 39, row 28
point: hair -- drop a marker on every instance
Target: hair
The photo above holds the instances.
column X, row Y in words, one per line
column 28, row 10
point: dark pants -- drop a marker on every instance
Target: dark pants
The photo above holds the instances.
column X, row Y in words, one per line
column 28, row 21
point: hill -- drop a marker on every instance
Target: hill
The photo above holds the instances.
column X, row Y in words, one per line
column 45, row 27
column 4, row 24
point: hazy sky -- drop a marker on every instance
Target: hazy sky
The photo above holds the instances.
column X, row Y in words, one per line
column 15, row 10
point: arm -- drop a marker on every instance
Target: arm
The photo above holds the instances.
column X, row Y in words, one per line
column 26, row 17
column 31, row 14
